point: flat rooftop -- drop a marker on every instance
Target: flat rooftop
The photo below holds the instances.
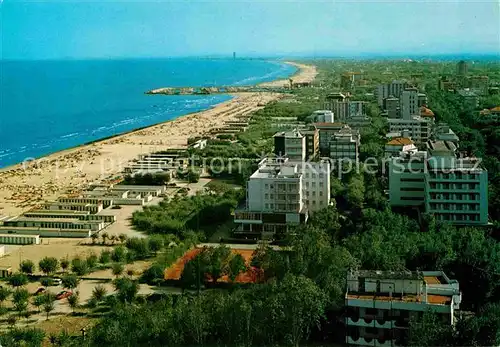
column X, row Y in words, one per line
column 58, row 212
column 431, row 298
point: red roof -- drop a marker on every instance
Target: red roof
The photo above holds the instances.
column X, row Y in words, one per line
column 426, row 112
column 400, row 141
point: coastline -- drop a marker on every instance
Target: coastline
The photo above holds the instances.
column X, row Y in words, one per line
column 70, row 170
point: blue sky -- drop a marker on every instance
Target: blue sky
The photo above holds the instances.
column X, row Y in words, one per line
column 79, row 29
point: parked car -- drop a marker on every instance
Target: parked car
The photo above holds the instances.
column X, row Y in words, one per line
column 63, row 295
column 40, row 290
column 56, row 281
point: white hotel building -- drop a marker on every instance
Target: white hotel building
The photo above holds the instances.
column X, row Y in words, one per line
column 283, row 193
column 381, row 304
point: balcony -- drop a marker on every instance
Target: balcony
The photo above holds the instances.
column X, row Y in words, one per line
column 372, row 323
column 368, row 341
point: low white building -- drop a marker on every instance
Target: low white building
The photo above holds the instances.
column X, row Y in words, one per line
column 380, row 304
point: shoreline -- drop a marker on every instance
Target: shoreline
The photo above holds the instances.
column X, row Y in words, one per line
column 278, row 82
column 68, row 171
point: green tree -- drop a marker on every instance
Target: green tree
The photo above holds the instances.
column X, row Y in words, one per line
column 429, row 331
column 48, row 265
column 105, row 257
column 27, row 267
column 355, row 192
column 127, row 289
column 304, row 306
column 20, row 299
column 217, row 259
column 49, row 303
column 92, row 261
column 153, row 274
column 119, row 254
column 155, row 243
column 104, row 237
column 64, row 264
column 79, row 266
column 4, row 295
column 237, row 265
column 99, row 292
column 193, row 176
column 38, row 301
column 18, row 279
column 70, row 281
column 117, row 269
column 122, row 238
column 73, row 301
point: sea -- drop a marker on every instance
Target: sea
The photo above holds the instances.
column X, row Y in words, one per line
column 47, row 106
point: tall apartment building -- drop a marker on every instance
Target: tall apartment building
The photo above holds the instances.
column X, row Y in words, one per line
column 478, row 84
column 326, row 130
column 350, row 79
column 392, row 107
column 312, row 143
column 282, row 193
column 407, row 179
column 323, row 116
column 419, row 128
column 291, row 144
column 469, row 98
column 408, row 103
column 394, row 88
column 452, row 188
column 344, row 144
column 381, row 304
column 462, row 68
column 422, row 99
column 344, row 110
column 456, row 188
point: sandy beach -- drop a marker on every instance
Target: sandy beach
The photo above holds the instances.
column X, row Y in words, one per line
column 68, row 172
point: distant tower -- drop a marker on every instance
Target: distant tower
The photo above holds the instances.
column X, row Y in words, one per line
column 461, row 68
column 234, row 55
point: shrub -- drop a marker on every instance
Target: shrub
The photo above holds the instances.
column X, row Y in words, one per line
column 79, row 266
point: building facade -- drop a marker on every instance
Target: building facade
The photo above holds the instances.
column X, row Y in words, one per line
column 344, row 145
column 291, row 144
column 419, row 128
column 407, row 179
column 381, row 304
column 383, row 91
column 282, row 193
column 312, row 143
column 409, row 103
column 392, row 106
column 456, row 188
column 326, row 131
